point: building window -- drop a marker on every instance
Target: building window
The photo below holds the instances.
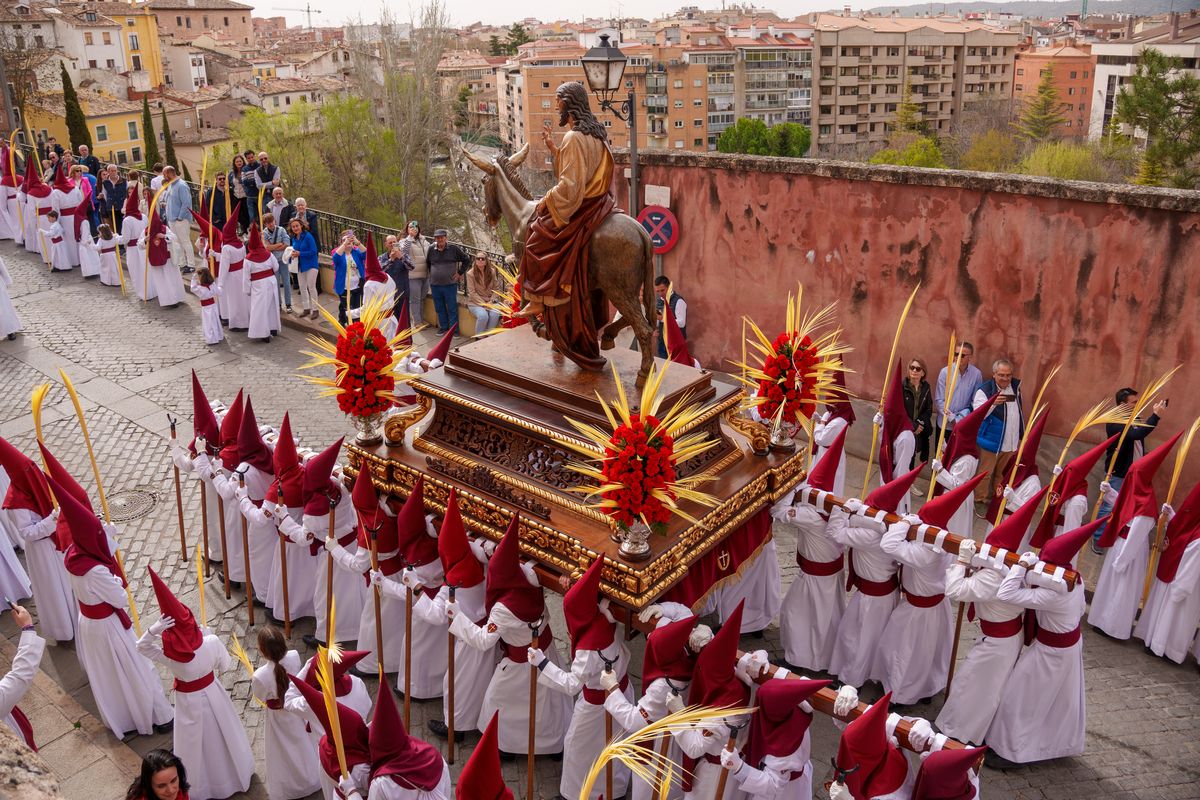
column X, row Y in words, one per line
column 92, row 64
column 608, row 123
column 679, row 84
column 679, row 104
column 137, row 154
column 226, row 22
column 107, row 37
column 206, row 20
column 87, row 39
column 697, row 123
column 179, row 22
column 276, row 99
column 90, row 16
column 545, row 84
column 1019, row 87
column 628, row 84
column 697, row 142
column 697, row 82
column 545, row 104
column 133, row 42
column 101, row 133
column 678, row 123
column 110, row 63
column 39, row 41
column 1071, row 90
column 1072, row 76
column 187, row 122
column 1068, row 123
column 679, row 144
column 825, row 128
column 129, row 23
column 893, row 72
column 132, row 130
column 1019, row 72
column 697, row 102
column 1085, row 74
column 122, row 158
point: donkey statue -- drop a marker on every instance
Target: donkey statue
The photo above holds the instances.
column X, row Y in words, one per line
column 620, row 256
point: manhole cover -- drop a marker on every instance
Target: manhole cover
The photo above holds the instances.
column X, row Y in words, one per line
column 130, row 504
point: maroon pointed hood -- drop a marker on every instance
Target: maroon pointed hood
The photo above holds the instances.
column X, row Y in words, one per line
column 1020, row 472
column 410, row 762
column 1063, row 548
column 83, row 213
column 181, row 640
column 27, row 488
column 944, row 775
column 61, row 182
column 32, row 185
column 289, row 475
column 677, row 349
column 882, row 768
column 370, row 516
column 207, row 230
column 713, row 681
column 355, row 739
column 416, row 545
column 895, row 422
column 823, row 474
column 342, row 685
column 964, row 437
column 459, row 564
column 1073, row 482
column 1137, row 497
column 667, row 654
column 255, row 251
column 157, row 250
column 442, row 348
column 481, row 778
column 1009, row 533
column 89, row 543
column 229, row 232
column 252, row 449
column 887, row 497
column 589, row 629
column 132, row 207
column 56, row 471
column 231, row 423
column 940, row 509
column 402, row 323
column 319, row 489
column 506, row 583
column 8, row 178
column 1183, row 530
column 839, row 398
column 778, row 725
column 371, row 263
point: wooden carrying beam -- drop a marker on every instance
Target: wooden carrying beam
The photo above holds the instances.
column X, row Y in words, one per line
column 944, row 539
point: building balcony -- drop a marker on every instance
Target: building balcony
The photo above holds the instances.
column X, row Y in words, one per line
column 761, row 104
column 719, row 127
column 863, row 117
column 862, row 136
column 864, row 78
column 720, row 67
column 864, row 59
column 985, row 58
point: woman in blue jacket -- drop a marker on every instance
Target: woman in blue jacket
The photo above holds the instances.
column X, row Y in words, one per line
column 304, row 251
column 348, row 284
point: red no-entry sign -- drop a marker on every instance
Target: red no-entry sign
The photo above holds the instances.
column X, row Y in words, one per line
column 662, row 226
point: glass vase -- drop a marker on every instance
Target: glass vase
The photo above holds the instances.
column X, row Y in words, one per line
column 370, row 432
column 635, row 544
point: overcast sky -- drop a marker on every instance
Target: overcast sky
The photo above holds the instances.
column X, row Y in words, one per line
column 465, row 12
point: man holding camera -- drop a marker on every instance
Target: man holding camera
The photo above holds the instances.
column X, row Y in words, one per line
column 1001, row 431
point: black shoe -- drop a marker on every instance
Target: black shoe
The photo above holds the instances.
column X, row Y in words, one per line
column 259, row 603
column 1146, row 649
column 438, row 728
column 756, row 634
column 166, row 727
column 266, row 340
column 366, row 676
column 232, row 584
column 993, row 760
column 12, row 336
column 556, row 757
column 507, row 756
column 1105, row 635
column 310, row 641
column 216, row 562
column 173, row 305
column 926, row 701
column 187, row 270
column 225, row 323
column 271, row 619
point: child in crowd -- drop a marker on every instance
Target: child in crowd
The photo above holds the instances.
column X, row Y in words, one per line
column 105, row 247
column 10, row 323
column 292, row 757
column 60, row 258
column 204, row 286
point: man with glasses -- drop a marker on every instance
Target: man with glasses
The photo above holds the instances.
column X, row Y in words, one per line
column 1001, row 431
column 969, row 381
column 266, row 177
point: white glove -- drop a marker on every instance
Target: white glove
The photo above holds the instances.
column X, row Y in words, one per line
column 650, row 612
column 348, row 787
column 603, row 606
column 701, row 635
column 853, row 505
column 966, row 551
column 920, row 733
column 1168, row 511
column 674, row 703
column 409, row 578
column 164, row 623
column 489, row 548
column 847, row 701
column 913, row 520
column 825, row 417
column 242, row 493
column 755, row 663
column 1009, row 494
column 330, row 543
column 609, row 681
column 451, row 609
column 936, row 465
column 376, row 578
column 878, row 420
column 1028, row 560
column 1058, row 470
column 282, row 511
column 840, row 791
column 535, row 656
column 201, row 445
column 1105, row 487
column 731, row 760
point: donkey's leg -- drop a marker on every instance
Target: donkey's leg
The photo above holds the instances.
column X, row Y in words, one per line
column 607, row 340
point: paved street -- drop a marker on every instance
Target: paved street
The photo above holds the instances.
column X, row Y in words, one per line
column 132, row 364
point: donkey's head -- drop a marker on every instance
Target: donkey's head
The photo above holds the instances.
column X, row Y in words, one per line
column 501, row 169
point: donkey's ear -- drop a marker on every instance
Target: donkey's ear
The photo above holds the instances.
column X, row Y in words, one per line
column 518, row 158
column 486, row 166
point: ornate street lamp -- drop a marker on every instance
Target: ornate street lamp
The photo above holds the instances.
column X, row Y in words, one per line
column 604, row 68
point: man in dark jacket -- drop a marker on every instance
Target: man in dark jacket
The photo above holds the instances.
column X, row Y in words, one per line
column 446, row 263
column 90, row 161
column 1133, row 447
column 391, row 263
column 220, row 200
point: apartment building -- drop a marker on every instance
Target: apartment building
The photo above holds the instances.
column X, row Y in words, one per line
column 187, row 19
column 1117, row 60
column 1073, row 70
column 863, row 63
column 139, row 37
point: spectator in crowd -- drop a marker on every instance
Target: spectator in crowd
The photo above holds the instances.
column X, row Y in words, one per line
column 278, row 205
column 266, row 177
column 415, row 251
column 481, row 291
column 347, row 282
column 1132, row 448
column 236, row 184
column 300, row 209
column 163, row 778
column 393, row 264
column 918, row 402
column 446, row 263
column 662, row 285
column 221, row 202
column 157, row 181
column 52, row 146
column 48, row 172
column 114, row 191
column 178, row 217
column 137, row 188
column 88, row 160
column 969, row 380
column 275, row 240
column 1001, row 431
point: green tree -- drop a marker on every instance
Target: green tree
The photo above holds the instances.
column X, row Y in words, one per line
column 992, row 151
column 1065, row 161
column 168, row 142
column 744, row 136
column 77, row 129
column 1042, row 113
column 920, row 153
column 496, row 47
column 909, row 114
column 151, row 141
column 1161, row 102
column 1150, row 172
column 789, row 140
column 517, row 36
column 460, row 113
column 187, row 176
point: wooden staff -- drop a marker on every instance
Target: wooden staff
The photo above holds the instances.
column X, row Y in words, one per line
column 224, row 556
column 1156, row 549
column 729, row 746
column 1038, row 410
column 378, row 607
column 954, row 649
column 951, row 383
column 245, row 553
column 178, row 494
column 329, row 581
column 204, row 525
column 883, row 397
column 450, row 694
column 408, row 601
column 663, row 749
column 608, row 734
column 120, row 270
column 287, row 605
column 533, row 676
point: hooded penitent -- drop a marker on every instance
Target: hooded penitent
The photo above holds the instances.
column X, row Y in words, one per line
column 944, row 775
column 589, row 628
column 157, row 250
column 442, row 348
column 320, row 492
column 1183, row 530
column 1071, row 483
column 179, row 642
column 372, row 518
column 204, row 421
column 416, row 545
column 778, row 725
column 1136, row 497
column 56, row 471
column 882, row 768
column 506, row 582
column 288, row 488
column 374, row 273
column 355, row 739
column 1019, row 472
column 939, row 510
column 89, row 543
column 481, row 778
column 132, row 209
column 256, row 253
column 410, row 762
column 230, row 426
column 895, row 422
column 677, row 349
column 963, row 439
column 459, row 564
column 667, row 654
column 83, row 212
column 839, row 399
column 824, row 473
column 252, row 449
column 887, row 497
column 32, row 185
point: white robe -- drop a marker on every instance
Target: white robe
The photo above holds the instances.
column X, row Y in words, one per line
column 1043, row 711
column 903, row 447
column 585, row 737
column 105, row 263
column 1122, row 578
column 135, row 259
column 301, row 574
column 34, row 221
column 391, row 609
column 7, row 525
column 56, row 606
column 1022, row 494
column 913, row 658
column 430, row 646
column 978, row 684
column 14, row 583
column 89, row 259
column 814, row 605
column 63, row 200
column 210, row 320
column 508, row 689
column 264, row 297
column 695, row 743
column 233, row 562
column 1168, row 622
column 9, row 321
column 167, row 280
column 472, row 668
column 824, row 435
column 962, row 521
column 358, row 700
column 128, row 691
column 182, row 459
column 261, row 532
column 866, row 616
column 292, row 760
column 759, row 585
column 209, row 737
column 237, row 302
column 386, row 788
column 17, row 681
column 387, row 288
column 651, row 707
column 774, row 781
column 8, row 196
column 60, row 258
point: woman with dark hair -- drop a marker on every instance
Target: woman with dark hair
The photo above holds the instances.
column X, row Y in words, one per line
column 918, row 402
column 292, row 757
column 234, row 182
column 163, row 778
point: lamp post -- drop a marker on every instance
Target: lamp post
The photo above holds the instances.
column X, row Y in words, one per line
column 604, row 67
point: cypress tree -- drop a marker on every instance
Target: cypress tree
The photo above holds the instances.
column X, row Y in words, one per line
column 152, row 156
column 1042, row 113
column 168, row 143
column 77, row 129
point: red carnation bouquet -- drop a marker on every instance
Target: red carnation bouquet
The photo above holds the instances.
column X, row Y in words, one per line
column 511, row 320
column 790, row 378
column 638, row 457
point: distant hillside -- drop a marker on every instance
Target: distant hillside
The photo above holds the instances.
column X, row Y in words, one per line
column 1040, row 8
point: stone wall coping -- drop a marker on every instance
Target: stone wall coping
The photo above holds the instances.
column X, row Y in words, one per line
column 1185, row 200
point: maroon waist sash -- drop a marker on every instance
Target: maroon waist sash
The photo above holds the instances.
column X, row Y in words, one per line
column 104, row 611
column 820, row 569
column 877, row 588
column 923, row 601
column 1059, row 640
column 596, row 696
column 189, row 687
column 1001, row 630
column 520, row 653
